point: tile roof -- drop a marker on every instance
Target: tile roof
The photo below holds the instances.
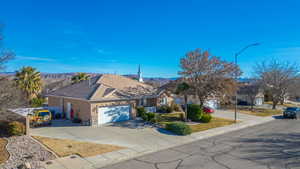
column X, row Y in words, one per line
column 106, row 87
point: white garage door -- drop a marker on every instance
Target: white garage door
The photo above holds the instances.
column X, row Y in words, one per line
column 113, row 114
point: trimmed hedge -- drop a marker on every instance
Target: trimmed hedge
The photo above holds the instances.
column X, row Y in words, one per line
column 151, row 117
column 16, row 128
column 206, row 118
column 140, row 111
column 195, row 112
column 165, row 109
column 179, row 128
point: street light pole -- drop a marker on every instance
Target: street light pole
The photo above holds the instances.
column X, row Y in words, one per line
column 236, row 75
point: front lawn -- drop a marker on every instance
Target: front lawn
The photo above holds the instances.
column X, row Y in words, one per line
column 284, row 104
column 261, row 112
column 169, row 117
column 175, row 117
column 214, row 123
column 66, row 147
column 3, row 153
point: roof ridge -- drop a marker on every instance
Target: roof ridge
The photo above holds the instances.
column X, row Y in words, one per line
column 128, row 78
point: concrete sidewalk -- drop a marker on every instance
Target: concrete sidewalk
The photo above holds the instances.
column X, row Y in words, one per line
column 168, row 141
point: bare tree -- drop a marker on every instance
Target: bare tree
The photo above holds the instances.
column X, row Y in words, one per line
column 250, row 90
column 276, row 78
column 10, row 95
column 5, row 55
column 208, row 75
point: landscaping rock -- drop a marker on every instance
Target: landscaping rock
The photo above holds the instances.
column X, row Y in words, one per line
column 25, row 153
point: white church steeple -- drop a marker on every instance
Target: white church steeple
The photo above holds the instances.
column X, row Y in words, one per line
column 140, row 74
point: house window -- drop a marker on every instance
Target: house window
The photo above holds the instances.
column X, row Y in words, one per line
column 163, row 101
column 143, row 102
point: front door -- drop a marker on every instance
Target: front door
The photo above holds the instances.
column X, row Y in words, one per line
column 69, row 107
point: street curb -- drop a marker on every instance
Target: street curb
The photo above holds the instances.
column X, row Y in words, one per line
column 45, row 147
column 193, row 137
column 267, row 119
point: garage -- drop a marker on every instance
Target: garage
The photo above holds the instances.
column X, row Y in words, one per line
column 112, row 114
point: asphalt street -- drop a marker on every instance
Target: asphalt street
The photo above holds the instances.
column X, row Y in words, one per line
column 273, row 145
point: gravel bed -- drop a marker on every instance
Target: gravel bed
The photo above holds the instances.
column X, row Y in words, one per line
column 23, row 149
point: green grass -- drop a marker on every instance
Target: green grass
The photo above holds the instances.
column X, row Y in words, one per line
column 175, row 117
column 214, row 123
column 169, row 117
column 261, row 112
column 284, row 104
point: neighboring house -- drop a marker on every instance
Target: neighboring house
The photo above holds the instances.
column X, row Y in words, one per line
column 106, row 98
column 213, row 102
column 245, row 99
column 192, row 99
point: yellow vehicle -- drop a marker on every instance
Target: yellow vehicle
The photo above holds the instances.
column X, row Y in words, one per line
column 40, row 117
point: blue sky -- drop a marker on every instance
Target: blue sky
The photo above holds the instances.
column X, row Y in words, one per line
column 116, row 36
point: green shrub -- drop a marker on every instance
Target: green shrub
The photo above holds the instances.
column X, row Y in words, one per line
column 195, row 112
column 151, row 116
column 4, row 126
column 140, row 111
column 206, row 118
column 16, row 128
column 179, row 128
column 165, row 109
column 144, row 116
column 76, row 120
column 159, row 118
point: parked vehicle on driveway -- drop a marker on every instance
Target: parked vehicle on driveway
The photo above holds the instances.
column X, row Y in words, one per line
column 291, row 112
column 40, row 117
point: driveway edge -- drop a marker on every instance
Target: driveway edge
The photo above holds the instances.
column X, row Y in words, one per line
column 196, row 136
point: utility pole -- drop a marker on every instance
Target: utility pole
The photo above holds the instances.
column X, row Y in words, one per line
column 236, row 75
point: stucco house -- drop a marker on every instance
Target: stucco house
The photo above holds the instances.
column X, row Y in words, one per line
column 245, row 99
column 106, row 98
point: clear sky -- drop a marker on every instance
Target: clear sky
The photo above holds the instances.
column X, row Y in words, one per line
column 115, row 36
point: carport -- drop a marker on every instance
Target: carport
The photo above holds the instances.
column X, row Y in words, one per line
column 24, row 113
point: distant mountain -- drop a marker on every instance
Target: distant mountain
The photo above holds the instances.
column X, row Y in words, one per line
column 157, row 81
column 49, row 78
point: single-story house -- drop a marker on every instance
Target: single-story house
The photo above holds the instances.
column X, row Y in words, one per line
column 192, row 99
column 106, row 98
column 245, row 99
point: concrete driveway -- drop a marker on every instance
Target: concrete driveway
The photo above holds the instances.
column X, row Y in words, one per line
column 139, row 139
column 131, row 134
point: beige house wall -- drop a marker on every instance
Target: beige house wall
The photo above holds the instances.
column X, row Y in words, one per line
column 170, row 99
column 55, row 102
column 81, row 108
column 94, row 109
column 87, row 111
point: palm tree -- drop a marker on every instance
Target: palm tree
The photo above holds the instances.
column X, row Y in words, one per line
column 29, row 80
column 182, row 89
column 79, row 77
